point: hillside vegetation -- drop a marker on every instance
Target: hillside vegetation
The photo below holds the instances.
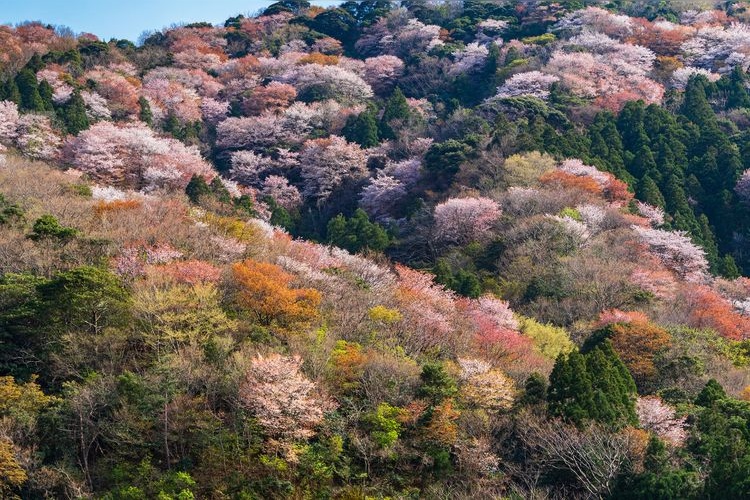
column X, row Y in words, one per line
column 437, row 249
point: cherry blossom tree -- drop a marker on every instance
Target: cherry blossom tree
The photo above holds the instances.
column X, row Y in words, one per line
column 380, row 196
column 191, row 272
column 173, row 98
column 676, row 251
column 96, row 106
column 133, row 156
column 484, row 386
column 661, row 419
column 681, row 76
column 273, row 97
column 531, row 83
column 742, row 188
column 8, row 122
column 717, row 47
column 119, row 90
column 496, row 310
column 381, row 72
column 255, row 132
column 285, row 195
column 406, row 171
column 469, row 59
column 398, row 35
column 214, row 110
column 462, row 220
column 317, row 82
column 655, row 215
column 36, row 138
column 491, row 30
column 428, row 309
column 62, row 90
column 597, row 19
column 326, row 164
column 248, row 167
column 659, row 282
column 287, row 404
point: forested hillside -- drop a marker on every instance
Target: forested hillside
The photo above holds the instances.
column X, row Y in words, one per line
column 418, row 249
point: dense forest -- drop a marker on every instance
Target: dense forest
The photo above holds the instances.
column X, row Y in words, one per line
column 385, row 250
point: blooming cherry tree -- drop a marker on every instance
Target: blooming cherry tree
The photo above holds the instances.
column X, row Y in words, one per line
column 286, row 403
column 462, row 220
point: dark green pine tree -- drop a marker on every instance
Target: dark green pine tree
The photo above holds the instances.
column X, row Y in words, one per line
column 219, row 191
column 679, row 207
column 570, row 394
column 606, row 143
column 172, row 126
column 661, row 479
column 737, row 96
column 467, row 284
column 614, row 387
column 593, row 386
column 396, row 109
column 46, row 92
column 145, row 115
column 443, row 273
column 9, row 91
column 711, row 393
column 728, row 268
column 28, row 89
column 357, row 233
column 708, row 242
column 630, row 126
column 648, row 192
column 535, row 390
column 35, row 64
column 197, row 188
column 74, row 114
column 489, row 72
column 362, row 129
column 706, row 170
column 436, row 383
column 695, row 105
column 643, row 163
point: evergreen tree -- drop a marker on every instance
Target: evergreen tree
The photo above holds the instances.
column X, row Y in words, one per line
column 28, row 89
column 362, row 129
column 173, row 127
column 396, row 109
column 728, row 268
column 695, row 104
column 145, row 115
column 630, row 126
column 467, row 284
column 219, row 191
column 708, row 242
column 9, row 91
column 46, row 92
column 35, row 64
column 711, row 393
column 74, row 114
column 648, row 192
column 357, row 233
column 197, row 188
column 535, row 390
column 643, row 163
column 593, row 386
column 437, row 384
column 570, row 394
column 737, row 96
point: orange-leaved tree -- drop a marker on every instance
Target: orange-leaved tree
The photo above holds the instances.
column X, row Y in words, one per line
column 264, row 290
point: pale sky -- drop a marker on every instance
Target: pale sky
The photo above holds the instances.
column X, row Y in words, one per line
column 126, row 18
